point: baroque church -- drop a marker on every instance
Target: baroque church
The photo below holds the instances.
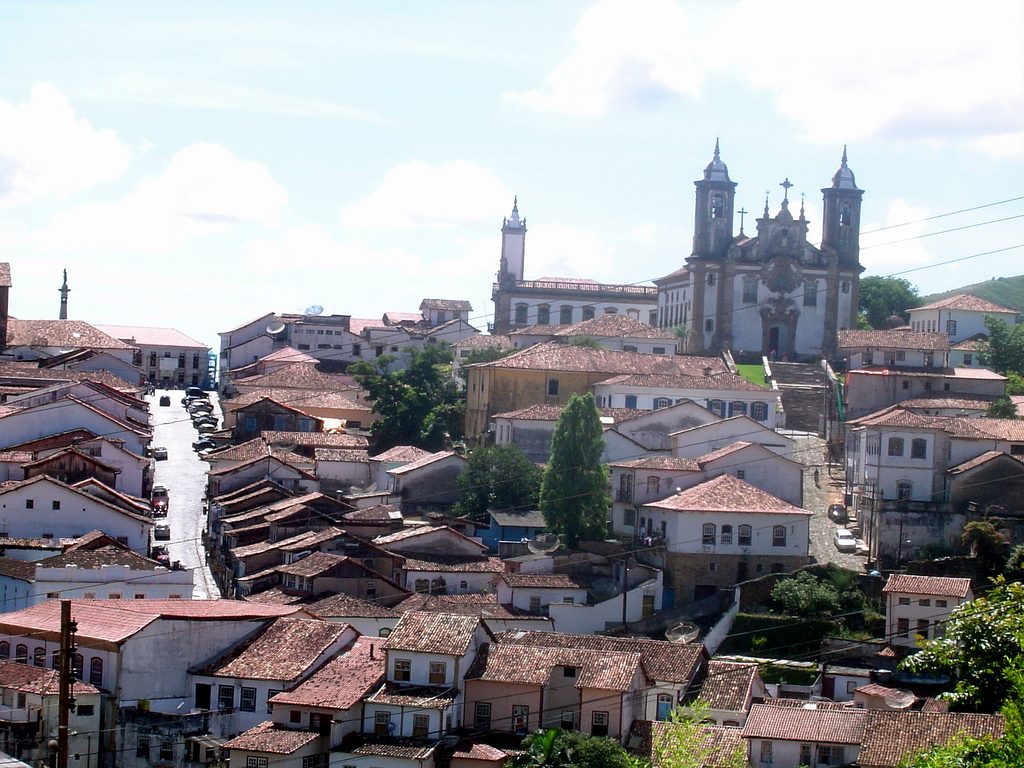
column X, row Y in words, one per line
column 773, row 293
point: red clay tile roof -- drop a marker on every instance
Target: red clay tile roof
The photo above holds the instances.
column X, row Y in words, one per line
column 411, row 532
column 616, row 326
column 420, row 697
column 403, row 453
column 541, row 581
column 459, row 305
column 313, row 564
column 874, row 689
column 271, row 737
column 805, row 723
column 406, row 749
column 5, row 275
column 151, row 336
column 282, row 651
column 977, row 461
column 343, row 681
column 659, row 462
column 296, row 400
column 893, row 339
column 483, row 752
column 17, row 569
column 726, row 493
column 315, row 439
column 72, row 334
column 728, row 685
column 274, row 596
column 352, row 455
column 379, row 513
column 976, row 343
column 254, row 449
column 892, row 736
column 534, row 665
column 542, row 412
column 553, row 356
column 412, row 466
column 446, row 633
column 718, row 380
column 233, row 468
column 967, row 302
column 453, row 563
column 717, row 747
column 485, row 606
column 37, row 680
column 484, row 342
column 662, row 661
column 98, row 558
column 947, row 400
column 299, row 376
column 343, row 606
column 947, row 586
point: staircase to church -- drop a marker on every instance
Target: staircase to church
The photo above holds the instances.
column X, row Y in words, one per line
column 803, row 387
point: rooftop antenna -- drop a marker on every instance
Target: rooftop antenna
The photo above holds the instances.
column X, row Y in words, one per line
column 682, row 633
column 543, row 543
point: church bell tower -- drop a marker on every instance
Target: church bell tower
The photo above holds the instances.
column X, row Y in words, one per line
column 841, row 218
column 713, row 220
column 513, row 246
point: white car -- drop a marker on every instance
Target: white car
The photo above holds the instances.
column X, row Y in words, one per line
column 160, row 454
column 845, row 541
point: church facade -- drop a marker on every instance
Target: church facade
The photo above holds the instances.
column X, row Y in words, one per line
column 519, row 303
column 773, row 293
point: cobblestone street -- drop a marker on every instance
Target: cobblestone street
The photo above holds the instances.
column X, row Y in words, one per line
column 829, row 490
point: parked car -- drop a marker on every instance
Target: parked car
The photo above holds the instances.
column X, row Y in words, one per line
column 202, row 417
column 205, row 428
column 195, row 392
column 160, row 453
column 844, row 540
column 200, row 405
column 159, row 500
column 165, row 400
column 203, row 443
column 837, row 513
column 162, row 532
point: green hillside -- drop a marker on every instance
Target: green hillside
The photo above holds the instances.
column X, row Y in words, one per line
column 1005, row 291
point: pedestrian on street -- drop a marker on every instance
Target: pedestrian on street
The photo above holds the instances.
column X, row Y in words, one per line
column 817, row 478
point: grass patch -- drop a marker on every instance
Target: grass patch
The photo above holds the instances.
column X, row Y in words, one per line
column 752, row 373
column 772, row 673
column 769, row 634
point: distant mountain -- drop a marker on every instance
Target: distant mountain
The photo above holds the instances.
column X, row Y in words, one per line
column 1005, row 291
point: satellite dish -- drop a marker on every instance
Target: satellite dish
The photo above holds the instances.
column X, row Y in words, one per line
column 682, row 633
column 275, row 328
column 604, row 589
column 313, row 310
column 900, row 699
column 66, row 350
column 543, row 543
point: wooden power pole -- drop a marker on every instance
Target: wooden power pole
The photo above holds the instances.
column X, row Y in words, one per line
column 64, row 700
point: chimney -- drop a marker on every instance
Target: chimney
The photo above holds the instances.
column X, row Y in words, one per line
column 371, row 651
column 707, row 370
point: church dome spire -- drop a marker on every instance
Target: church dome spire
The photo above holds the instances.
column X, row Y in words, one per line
column 843, row 178
column 716, row 170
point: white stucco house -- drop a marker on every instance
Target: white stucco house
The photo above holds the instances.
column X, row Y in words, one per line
column 959, row 317
column 919, row 606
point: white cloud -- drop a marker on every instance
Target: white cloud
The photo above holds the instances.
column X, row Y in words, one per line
column 46, row 151
column 901, row 71
column 419, row 194
column 881, row 259
column 559, row 250
column 203, row 190
column 626, row 51
column 311, row 247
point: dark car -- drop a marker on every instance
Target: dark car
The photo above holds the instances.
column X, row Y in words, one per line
column 202, row 443
column 165, row 400
column 837, row 513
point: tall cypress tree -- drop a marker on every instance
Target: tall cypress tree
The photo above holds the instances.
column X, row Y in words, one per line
column 574, row 491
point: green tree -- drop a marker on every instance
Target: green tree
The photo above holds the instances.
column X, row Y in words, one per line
column 1002, row 408
column 1014, row 383
column 985, row 543
column 497, row 477
column 804, row 595
column 983, row 641
column 555, row 748
column 882, row 297
column 683, row 742
column 584, row 341
column 1004, row 350
column 418, row 405
column 1013, row 570
column 574, row 490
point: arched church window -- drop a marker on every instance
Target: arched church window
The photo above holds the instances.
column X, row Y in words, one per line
column 565, row 315
column 520, row 314
column 611, row 310
column 711, row 278
column 588, row 313
column 811, row 293
column 543, row 314
column 716, row 207
column 845, row 286
column 844, row 216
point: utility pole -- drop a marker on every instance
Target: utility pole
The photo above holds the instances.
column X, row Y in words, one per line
column 64, row 700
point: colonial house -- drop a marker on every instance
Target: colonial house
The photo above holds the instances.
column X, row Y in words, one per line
column 968, row 353
column 427, row 656
column 610, row 331
column 43, row 339
column 369, row 618
column 534, row 592
column 428, row 482
column 393, row 458
column 99, row 395
column 959, row 317
column 730, row 689
column 47, row 508
column 438, row 559
column 871, row 389
column 439, row 311
column 724, row 531
column 918, row 607
column 699, row 440
column 230, row 478
column 19, row 426
column 789, row 734
column 266, row 413
column 245, row 677
column 165, row 355
column 550, row 373
column 897, row 348
column 328, row 409
column 641, row 481
column 512, row 525
column 891, row 738
column 724, row 394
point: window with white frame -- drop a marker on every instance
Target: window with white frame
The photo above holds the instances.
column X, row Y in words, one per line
column 708, row 533
column 482, row 715
column 779, row 536
column 744, row 535
column 403, row 670
column 727, row 534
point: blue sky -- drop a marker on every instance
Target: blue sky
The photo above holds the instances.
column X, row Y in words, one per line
column 200, row 164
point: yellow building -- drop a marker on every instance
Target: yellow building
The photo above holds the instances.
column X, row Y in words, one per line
column 551, row 373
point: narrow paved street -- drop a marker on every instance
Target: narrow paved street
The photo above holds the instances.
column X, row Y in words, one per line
column 185, row 476
column 810, row 452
